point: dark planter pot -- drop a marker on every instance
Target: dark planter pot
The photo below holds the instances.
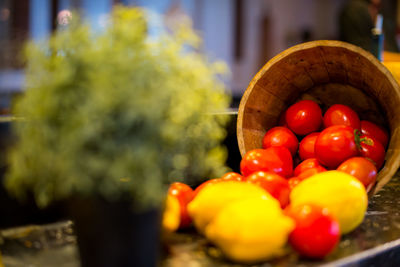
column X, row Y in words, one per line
column 113, row 234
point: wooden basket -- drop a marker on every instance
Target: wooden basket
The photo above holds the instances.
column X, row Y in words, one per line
column 328, row 72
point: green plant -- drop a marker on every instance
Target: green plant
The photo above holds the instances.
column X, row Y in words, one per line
column 116, row 112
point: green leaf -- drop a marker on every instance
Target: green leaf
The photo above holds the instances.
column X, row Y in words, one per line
column 115, row 113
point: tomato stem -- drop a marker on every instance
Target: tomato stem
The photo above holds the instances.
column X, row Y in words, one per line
column 363, row 140
column 357, row 139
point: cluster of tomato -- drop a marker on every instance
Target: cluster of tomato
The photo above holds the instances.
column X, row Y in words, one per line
column 338, row 140
column 335, row 140
column 345, row 143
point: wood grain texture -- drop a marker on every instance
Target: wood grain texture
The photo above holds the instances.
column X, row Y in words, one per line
column 328, row 72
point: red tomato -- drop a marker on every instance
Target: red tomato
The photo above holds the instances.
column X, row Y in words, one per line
column 341, row 115
column 372, row 149
column 334, row 145
column 310, row 172
column 379, row 133
column 276, row 159
column 316, row 233
column 361, row 168
column 304, row 117
column 305, row 165
column 307, row 146
column 293, row 182
column 281, row 136
column 204, row 184
column 184, row 194
column 233, row 176
column 274, row 184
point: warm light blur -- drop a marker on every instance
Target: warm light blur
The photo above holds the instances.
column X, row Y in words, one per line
column 244, row 34
column 63, row 17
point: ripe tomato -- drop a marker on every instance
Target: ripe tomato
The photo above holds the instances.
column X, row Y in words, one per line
column 304, row 117
column 294, row 181
column 204, row 184
column 276, row 159
column 316, row 233
column 361, row 168
column 310, row 172
column 233, row 176
column 307, row 146
column 334, row 145
column 184, row 194
column 281, row 136
column 305, row 165
column 273, row 183
column 372, row 149
column 379, row 133
column 341, row 115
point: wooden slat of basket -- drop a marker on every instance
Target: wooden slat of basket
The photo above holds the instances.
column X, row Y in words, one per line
column 335, row 63
column 314, row 65
column 294, row 73
column 280, row 89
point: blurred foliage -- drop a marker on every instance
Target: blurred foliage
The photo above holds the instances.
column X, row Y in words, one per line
column 116, row 112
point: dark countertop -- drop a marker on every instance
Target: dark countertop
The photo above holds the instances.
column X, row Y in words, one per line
column 38, row 242
column 376, row 242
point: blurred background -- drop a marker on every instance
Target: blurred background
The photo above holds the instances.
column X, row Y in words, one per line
column 244, row 34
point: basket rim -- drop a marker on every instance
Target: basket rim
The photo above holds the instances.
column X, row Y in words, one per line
column 385, row 172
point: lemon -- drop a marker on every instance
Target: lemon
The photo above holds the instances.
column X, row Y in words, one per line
column 171, row 215
column 341, row 193
column 211, row 199
column 251, row 230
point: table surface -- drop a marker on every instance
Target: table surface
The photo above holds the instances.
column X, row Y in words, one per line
column 376, row 241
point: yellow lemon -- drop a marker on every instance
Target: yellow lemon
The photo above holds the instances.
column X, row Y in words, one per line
column 250, row 230
column 211, row 199
column 171, row 215
column 341, row 193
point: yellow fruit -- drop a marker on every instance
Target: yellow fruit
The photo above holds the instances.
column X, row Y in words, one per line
column 211, row 199
column 251, row 230
column 171, row 215
column 341, row 193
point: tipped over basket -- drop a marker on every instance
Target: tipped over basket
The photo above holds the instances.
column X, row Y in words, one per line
column 329, row 72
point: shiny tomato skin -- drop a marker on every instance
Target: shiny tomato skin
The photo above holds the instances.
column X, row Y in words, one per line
column 341, row 115
column 305, row 165
column 293, row 182
column 373, row 150
column 281, row 136
column 276, row 159
column 334, row 145
column 304, row 117
column 273, row 183
column 307, row 146
column 379, row 133
column 184, row 194
column 310, row 172
column 362, row 169
column 232, row 176
column 316, row 233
